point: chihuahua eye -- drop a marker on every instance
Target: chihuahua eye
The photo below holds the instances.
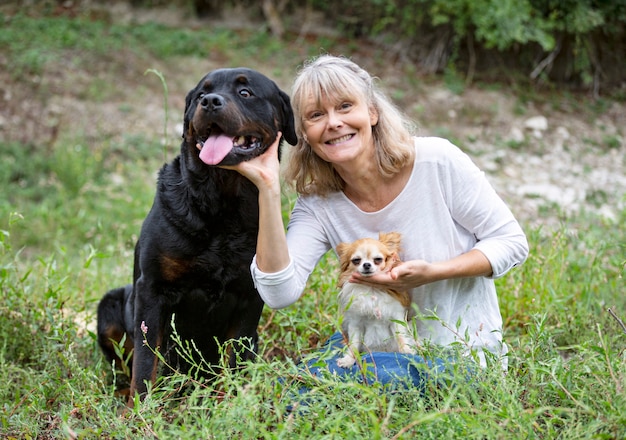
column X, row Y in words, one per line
column 356, row 261
column 378, row 261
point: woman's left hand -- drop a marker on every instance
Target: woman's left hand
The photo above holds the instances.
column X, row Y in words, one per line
column 409, row 274
column 404, row 276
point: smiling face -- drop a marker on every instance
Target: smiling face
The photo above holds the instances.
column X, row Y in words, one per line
column 339, row 128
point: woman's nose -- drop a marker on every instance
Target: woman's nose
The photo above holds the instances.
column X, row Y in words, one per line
column 334, row 120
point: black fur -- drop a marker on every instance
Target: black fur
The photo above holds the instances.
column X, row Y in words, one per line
column 192, row 259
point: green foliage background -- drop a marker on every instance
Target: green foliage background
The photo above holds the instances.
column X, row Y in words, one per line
column 585, row 37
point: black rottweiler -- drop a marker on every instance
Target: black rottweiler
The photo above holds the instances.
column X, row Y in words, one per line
column 192, row 259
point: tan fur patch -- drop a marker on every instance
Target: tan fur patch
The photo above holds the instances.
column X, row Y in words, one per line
column 172, row 269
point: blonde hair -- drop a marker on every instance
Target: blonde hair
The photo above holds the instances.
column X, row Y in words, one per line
column 341, row 79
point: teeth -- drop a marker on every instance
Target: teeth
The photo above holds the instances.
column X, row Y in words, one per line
column 245, row 141
column 341, row 139
column 239, row 141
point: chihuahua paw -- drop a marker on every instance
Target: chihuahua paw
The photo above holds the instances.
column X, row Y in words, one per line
column 407, row 349
column 346, row 362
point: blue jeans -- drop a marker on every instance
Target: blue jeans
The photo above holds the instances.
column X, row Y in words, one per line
column 391, row 370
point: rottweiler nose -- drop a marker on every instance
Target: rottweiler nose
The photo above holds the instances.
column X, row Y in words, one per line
column 212, row 101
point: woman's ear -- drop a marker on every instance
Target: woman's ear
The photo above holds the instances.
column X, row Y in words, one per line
column 373, row 116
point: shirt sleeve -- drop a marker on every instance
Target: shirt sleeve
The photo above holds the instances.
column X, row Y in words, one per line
column 307, row 243
column 476, row 206
column 278, row 289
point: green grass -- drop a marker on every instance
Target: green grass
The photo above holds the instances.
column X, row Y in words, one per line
column 69, row 217
column 566, row 378
column 33, row 42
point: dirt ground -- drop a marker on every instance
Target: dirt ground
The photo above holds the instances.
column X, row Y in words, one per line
column 548, row 155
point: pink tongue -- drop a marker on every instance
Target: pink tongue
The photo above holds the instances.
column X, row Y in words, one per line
column 215, row 149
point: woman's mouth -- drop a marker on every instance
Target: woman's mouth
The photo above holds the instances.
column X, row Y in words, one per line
column 339, row 140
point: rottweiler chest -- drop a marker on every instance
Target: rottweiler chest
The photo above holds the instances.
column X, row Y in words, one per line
column 203, row 268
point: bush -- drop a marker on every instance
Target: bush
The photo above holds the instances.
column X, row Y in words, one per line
column 575, row 41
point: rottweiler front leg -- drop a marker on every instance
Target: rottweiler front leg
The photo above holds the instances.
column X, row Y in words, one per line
column 243, row 329
column 149, row 321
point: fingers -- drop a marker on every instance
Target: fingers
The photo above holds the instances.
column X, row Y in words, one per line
column 394, row 273
column 272, row 150
column 395, row 278
column 254, row 166
column 377, row 280
column 276, row 143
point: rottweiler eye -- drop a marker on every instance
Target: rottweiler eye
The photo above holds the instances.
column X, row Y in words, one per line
column 245, row 93
column 378, row 261
column 356, row 261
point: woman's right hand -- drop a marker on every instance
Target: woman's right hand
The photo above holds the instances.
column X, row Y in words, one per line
column 263, row 170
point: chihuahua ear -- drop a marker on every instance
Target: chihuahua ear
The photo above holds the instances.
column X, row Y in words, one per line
column 391, row 240
column 342, row 249
column 344, row 262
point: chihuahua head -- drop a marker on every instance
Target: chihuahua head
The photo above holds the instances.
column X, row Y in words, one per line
column 368, row 256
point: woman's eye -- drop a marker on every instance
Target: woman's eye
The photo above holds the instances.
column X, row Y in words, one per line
column 345, row 106
column 245, row 93
column 313, row 116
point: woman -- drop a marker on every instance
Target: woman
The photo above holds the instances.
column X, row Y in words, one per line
column 358, row 171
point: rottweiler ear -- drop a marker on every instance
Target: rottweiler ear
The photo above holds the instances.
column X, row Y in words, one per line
column 288, row 128
column 186, row 118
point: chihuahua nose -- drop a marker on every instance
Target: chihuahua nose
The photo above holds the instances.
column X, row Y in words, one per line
column 367, row 266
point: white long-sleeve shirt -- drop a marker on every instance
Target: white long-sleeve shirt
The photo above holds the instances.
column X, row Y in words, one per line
column 446, row 209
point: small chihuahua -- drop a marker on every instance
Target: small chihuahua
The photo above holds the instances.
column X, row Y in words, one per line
column 374, row 319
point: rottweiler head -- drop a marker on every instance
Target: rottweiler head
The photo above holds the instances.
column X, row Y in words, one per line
column 233, row 115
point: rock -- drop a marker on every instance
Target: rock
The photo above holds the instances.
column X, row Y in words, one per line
column 562, row 133
column 516, row 135
column 608, row 213
column 539, row 123
column 566, row 197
